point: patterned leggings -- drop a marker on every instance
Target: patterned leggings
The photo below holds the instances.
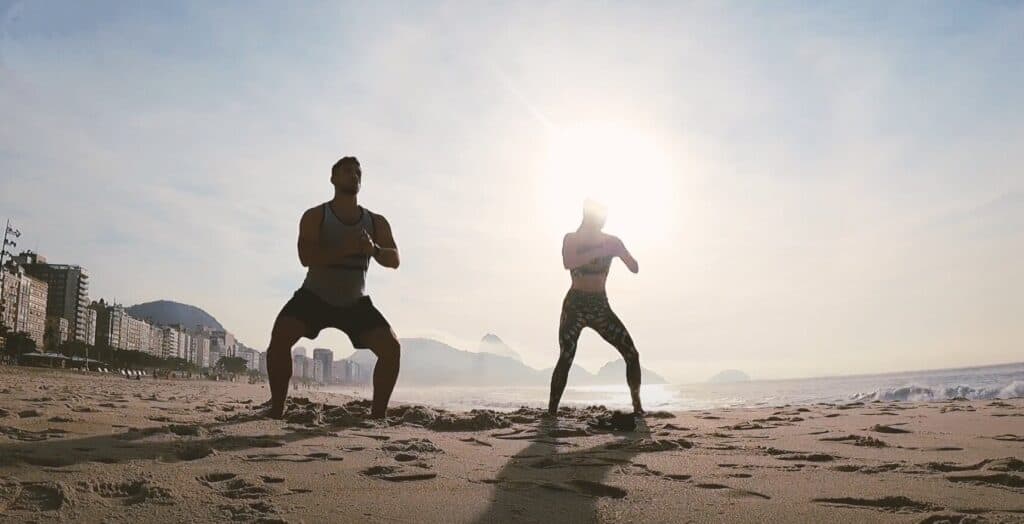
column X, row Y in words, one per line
column 582, row 309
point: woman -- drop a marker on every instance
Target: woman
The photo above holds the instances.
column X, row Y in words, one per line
column 588, row 253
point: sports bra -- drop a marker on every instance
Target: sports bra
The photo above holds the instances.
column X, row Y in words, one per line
column 597, row 266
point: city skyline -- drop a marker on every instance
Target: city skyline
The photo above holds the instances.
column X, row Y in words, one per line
column 809, row 191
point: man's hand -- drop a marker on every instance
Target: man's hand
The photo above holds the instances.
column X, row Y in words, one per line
column 366, row 246
column 357, row 243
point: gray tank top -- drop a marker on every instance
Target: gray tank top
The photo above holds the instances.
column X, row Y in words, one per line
column 344, row 283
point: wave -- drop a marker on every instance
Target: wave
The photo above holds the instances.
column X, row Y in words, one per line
column 1014, row 389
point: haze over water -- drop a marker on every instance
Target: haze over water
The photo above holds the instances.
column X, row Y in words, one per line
column 979, row 383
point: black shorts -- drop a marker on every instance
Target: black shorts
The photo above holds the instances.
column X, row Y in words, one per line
column 354, row 319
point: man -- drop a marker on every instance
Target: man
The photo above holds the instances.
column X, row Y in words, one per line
column 336, row 241
column 588, row 253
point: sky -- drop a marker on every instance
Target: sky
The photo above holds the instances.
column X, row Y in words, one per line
column 810, row 188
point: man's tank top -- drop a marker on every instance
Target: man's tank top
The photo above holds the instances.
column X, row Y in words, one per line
column 344, row 283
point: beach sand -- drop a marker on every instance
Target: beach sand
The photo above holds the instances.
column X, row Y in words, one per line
column 89, row 447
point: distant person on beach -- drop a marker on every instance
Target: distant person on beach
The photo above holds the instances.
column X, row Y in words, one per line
column 337, row 239
column 588, row 253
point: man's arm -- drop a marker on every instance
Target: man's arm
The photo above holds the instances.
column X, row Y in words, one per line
column 386, row 249
column 573, row 258
column 311, row 253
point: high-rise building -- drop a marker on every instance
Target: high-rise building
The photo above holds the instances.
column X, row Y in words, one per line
column 251, row 356
column 199, row 350
column 318, row 371
column 170, row 342
column 68, row 293
column 298, row 351
column 24, row 304
column 215, row 356
column 184, row 343
column 223, row 342
column 89, row 321
column 57, row 332
column 325, row 357
column 263, row 362
column 154, row 344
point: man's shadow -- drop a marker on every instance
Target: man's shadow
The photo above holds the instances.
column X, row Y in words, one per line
column 546, row 482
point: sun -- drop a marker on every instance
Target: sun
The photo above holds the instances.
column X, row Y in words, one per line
column 621, row 167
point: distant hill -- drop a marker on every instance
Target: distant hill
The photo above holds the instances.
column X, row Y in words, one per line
column 615, row 371
column 168, row 312
column 729, row 376
column 428, row 362
column 495, row 346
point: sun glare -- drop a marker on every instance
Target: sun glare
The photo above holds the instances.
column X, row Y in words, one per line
column 620, row 167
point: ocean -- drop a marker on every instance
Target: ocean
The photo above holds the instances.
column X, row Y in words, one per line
column 977, row 383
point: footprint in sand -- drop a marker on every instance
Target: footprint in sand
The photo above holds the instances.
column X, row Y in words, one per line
column 882, row 428
column 994, row 479
column 478, row 442
column 733, row 492
column 262, row 512
column 678, row 476
column 33, row 497
column 395, row 474
column 782, row 454
column 897, row 504
column 412, row 445
column 31, row 436
column 869, row 470
column 857, row 440
column 194, row 451
column 292, row 457
column 230, row 485
column 130, row 492
column 952, row 518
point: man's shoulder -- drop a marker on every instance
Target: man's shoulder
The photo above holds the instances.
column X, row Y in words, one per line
column 375, row 216
column 315, row 210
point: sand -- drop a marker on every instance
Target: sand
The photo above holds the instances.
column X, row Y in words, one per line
column 89, row 447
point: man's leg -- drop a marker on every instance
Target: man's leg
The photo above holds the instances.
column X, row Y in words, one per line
column 569, row 329
column 612, row 330
column 287, row 331
column 383, row 342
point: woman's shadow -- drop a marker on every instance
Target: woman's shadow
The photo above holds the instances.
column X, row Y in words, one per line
column 543, row 483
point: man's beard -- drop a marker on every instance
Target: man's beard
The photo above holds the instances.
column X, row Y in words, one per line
column 352, row 191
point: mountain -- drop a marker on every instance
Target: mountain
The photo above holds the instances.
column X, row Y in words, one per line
column 428, row 362
column 168, row 312
column 495, row 346
column 729, row 376
column 615, row 371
